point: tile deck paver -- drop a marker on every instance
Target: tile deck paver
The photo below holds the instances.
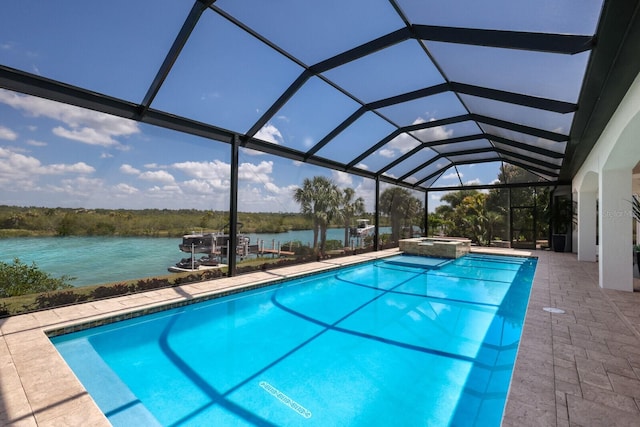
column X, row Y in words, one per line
column 578, row 368
column 593, row 347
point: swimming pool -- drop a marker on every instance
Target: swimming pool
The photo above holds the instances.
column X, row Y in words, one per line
column 401, row 341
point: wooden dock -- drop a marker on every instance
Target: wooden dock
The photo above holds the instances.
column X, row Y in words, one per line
column 275, row 252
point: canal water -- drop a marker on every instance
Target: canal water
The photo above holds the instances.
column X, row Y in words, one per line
column 94, row 260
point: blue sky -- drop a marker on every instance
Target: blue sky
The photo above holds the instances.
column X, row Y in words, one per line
column 60, row 155
column 53, row 155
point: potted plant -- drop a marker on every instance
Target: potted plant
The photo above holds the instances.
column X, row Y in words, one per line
column 563, row 216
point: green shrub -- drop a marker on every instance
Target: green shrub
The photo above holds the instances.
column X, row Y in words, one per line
column 110, row 291
column 102, row 229
column 191, row 278
column 21, row 279
column 212, row 274
column 332, row 245
column 298, row 248
column 56, row 299
column 151, row 283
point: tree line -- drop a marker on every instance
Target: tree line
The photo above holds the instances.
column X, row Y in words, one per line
column 486, row 216
column 324, row 203
column 16, row 221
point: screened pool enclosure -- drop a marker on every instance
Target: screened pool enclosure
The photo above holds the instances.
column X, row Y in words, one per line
column 428, row 96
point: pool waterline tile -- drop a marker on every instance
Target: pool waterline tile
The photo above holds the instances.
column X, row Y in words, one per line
column 553, row 275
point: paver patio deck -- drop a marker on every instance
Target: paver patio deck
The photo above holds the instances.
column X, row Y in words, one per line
column 577, row 368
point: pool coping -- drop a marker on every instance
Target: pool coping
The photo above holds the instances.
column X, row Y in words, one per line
column 37, row 388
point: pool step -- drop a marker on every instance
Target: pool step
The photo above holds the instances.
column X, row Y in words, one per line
column 416, row 261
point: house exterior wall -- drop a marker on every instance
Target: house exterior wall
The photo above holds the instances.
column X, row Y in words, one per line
column 612, row 159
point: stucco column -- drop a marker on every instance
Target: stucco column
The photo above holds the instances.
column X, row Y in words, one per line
column 587, row 223
column 615, row 249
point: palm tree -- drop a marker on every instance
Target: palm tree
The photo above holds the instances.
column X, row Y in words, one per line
column 460, row 212
column 413, row 215
column 304, row 196
column 319, row 198
column 472, row 213
column 349, row 209
column 401, row 207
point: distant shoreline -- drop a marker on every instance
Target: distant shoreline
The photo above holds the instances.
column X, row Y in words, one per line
column 16, row 221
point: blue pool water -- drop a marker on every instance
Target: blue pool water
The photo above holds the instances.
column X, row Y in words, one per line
column 400, row 341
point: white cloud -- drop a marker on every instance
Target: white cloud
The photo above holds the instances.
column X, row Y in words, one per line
column 342, row 179
column 390, row 154
column 433, row 134
column 87, row 135
column 255, row 199
column 366, row 189
column 19, row 169
column 129, row 170
column 405, row 142
column 59, row 169
column 82, row 186
column 412, row 180
column 451, row 175
column 476, row 181
column 402, row 144
column 8, row 134
column 126, row 189
column 15, row 149
column 158, row 176
column 260, row 173
column 35, row 143
column 270, row 133
column 86, row 126
column 251, row 152
column 210, row 171
column 165, row 191
column 197, row 186
column 272, row 188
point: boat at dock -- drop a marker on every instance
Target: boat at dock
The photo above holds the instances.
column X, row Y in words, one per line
column 214, row 247
column 362, row 229
column 195, row 264
column 360, row 232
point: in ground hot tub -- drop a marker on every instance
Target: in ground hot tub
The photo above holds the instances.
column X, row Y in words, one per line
column 443, row 247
